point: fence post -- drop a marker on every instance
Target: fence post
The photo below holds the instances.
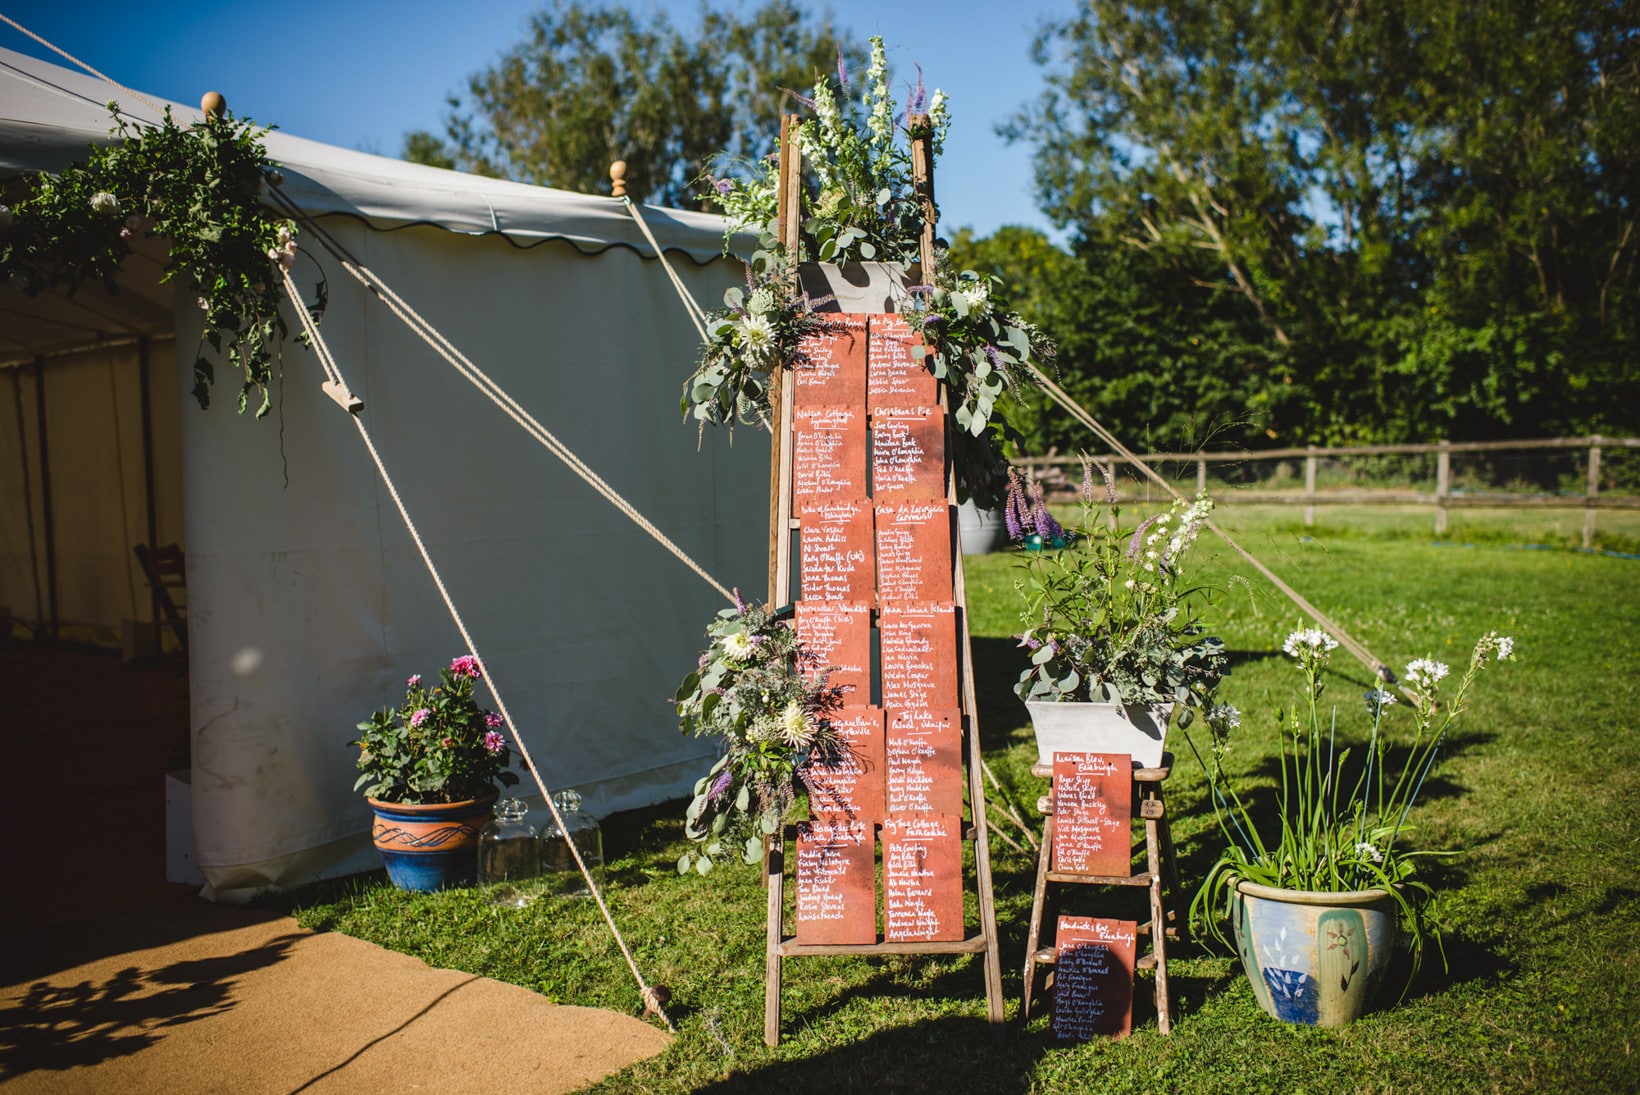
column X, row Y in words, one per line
column 1591, row 490
column 1443, row 486
column 1201, row 476
column 1309, row 486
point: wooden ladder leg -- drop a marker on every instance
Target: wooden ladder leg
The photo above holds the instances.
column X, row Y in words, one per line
column 1178, row 914
column 774, row 856
column 1033, row 939
column 1158, row 924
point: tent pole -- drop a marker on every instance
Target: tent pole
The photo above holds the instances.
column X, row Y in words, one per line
column 45, row 492
column 144, row 376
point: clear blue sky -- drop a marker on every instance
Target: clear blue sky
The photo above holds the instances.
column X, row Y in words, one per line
column 362, row 73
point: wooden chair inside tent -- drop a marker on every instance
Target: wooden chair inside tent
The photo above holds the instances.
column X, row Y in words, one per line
column 166, row 569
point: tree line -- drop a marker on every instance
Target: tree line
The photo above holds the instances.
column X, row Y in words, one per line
column 1286, row 221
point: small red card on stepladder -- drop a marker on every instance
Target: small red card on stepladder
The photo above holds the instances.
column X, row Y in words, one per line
column 1093, row 813
column 924, row 750
column 839, row 637
column 1093, row 978
column 828, row 454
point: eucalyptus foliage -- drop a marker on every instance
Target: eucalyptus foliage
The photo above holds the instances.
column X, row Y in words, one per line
column 765, row 696
column 199, row 188
column 1107, row 612
column 1341, row 827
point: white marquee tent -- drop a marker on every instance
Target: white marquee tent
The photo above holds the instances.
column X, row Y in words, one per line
column 307, row 602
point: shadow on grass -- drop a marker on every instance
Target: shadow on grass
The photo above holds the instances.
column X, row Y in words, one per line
column 944, row 1055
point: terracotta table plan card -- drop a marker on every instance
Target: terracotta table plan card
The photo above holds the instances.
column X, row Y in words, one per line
column 1093, row 813
column 914, row 551
column 907, row 453
column 836, row 882
column 924, row 751
column 919, row 656
column 828, row 453
column 830, row 369
column 839, row 635
column 897, row 373
column 853, row 786
column 1093, row 978
column 837, row 557
column 922, row 878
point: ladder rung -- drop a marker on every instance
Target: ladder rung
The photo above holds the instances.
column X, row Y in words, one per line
column 1140, row 879
column 1049, row 956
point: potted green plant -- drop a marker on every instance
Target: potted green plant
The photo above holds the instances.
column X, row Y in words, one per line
column 1319, row 899
column 1115, row 646
column 429, row 768
column 766, row 697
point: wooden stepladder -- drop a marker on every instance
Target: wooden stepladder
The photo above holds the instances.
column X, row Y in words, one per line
column 870, row 532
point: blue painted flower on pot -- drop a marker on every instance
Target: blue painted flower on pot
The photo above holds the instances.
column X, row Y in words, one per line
column 1312, row 957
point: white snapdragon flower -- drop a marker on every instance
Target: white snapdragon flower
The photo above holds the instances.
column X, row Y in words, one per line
column 738, row 645
column 104, row 202
column 1224, row 716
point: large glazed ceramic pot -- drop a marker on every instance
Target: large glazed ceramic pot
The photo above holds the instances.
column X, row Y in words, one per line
column 1069, row 727
column 1312, row 957
column 433, row 846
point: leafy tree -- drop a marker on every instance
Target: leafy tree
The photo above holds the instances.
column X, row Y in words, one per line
column 598, row 82
column 1427, row 208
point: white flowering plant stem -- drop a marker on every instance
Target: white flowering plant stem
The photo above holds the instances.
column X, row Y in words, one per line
column 1341, row 820
column 199, row 188
column 1109, row 614
column 766, row 698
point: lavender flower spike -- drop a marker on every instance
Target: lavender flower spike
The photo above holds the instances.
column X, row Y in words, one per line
column 1046, row 526
column 740, row 603
column 842, row 70
column 1016, row 512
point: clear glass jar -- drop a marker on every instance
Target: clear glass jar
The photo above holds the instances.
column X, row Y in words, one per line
column 560, row 874
column 507, row 859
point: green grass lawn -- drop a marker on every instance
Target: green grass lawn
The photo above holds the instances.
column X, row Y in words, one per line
column 1539, row 793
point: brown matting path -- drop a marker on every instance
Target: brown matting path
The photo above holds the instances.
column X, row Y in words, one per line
column 186, row 996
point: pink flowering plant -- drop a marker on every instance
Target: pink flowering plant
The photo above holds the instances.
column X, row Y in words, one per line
column 766, row 697
column 437, row 746
column 1108, row 611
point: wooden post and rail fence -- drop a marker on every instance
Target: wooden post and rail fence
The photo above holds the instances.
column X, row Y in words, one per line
column 1055, row 472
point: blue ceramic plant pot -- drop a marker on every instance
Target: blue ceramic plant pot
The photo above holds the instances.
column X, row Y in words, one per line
column 1312, row 957
column 430, row 847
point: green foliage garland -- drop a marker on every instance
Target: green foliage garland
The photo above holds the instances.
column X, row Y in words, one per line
column 198, row 187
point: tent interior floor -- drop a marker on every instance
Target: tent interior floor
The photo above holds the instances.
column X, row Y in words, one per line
column 85, row 745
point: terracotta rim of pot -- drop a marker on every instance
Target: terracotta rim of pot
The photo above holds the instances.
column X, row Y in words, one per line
column 1343, row 898
column 431, row 807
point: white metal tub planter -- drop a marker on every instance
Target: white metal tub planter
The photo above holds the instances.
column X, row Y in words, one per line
column 1115, row 646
